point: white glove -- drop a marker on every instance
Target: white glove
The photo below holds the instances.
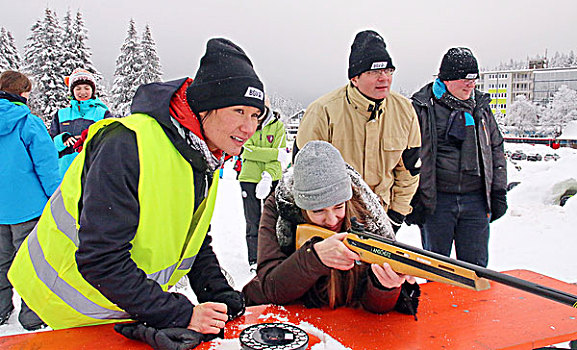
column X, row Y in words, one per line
column 263, row 186
column 283, row 157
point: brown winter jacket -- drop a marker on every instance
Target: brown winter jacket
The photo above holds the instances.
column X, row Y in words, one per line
column 288, row 275
column 373, row 147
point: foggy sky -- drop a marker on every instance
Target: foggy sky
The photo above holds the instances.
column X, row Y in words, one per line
column 300, row 48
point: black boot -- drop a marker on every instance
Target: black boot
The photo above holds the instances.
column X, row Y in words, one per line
column 4, row 316
column 29, row 320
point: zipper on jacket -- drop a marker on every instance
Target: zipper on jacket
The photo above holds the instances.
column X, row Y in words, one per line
column 485, row 130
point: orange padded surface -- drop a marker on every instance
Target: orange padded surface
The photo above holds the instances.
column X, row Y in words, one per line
column 449, row 318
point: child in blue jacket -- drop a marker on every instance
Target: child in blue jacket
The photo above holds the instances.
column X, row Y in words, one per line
column 68, row 123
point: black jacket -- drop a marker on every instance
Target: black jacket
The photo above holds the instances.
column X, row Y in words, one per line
column 109, row 216
column 494, row 170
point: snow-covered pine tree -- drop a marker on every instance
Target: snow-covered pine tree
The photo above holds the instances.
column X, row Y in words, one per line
column 286, row 106
column 151, row 70
column 3, row 49
column 9, row 56
column 12, row 52
column 70, row 59
column 522, row 117
column 43, row 62
column 571, row 59
column 128, row 73
column 76, row 53
column 562, row 110
column 32, row 49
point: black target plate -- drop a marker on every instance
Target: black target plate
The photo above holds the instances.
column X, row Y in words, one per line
column 273, row 336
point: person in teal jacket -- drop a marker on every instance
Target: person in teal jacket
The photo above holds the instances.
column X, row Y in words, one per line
column 68, row 123
column 261, row 169
column 28, row 177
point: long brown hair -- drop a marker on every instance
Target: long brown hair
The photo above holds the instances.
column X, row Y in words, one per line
column 340, row 287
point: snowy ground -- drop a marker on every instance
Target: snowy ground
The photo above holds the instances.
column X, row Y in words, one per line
column 534, row 223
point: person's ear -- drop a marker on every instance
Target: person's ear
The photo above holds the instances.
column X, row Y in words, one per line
column 355, row 81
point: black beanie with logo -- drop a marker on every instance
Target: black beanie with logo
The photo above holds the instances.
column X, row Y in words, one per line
column 458, row 63
column 368, row 52
column 225, row 78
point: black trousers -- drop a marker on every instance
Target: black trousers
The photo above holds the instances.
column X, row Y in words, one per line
column 252, row 211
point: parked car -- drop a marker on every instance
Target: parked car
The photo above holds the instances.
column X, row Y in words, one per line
column 534, row 157
column 550, row 156
column 565, row 197
column 518, row 155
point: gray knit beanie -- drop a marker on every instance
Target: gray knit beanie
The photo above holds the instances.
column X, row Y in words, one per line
column 320, row 177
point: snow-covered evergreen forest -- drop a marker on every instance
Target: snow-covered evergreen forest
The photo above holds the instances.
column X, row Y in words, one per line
column 56, row 46
column 527, row 119
column 558, row 60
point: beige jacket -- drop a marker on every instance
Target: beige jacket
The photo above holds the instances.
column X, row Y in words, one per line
column 373, row 147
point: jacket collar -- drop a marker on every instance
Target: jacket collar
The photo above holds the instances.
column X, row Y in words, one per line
column 362, row 104
column 290, row 215
column 155, row 100
column 12, row 97
column 425, row 94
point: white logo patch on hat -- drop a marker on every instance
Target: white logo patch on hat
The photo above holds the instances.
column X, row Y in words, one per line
column 471, row 76
column 254, row 93
column 379, row 65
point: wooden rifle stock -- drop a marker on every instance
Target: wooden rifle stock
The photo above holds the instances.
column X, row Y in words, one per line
column 413, row 261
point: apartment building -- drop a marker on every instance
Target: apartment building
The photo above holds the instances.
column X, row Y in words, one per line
column 538, row 85
column 505, row 86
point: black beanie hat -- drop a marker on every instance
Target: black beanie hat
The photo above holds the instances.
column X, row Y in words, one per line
column 225, row 78
column 458, row 63
column 368, row 52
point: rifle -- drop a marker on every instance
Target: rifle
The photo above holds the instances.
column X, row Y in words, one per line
column 409, row 260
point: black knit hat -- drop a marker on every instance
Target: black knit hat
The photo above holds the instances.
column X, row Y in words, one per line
column 225, row 78
column 368, row 52
column 458, row 63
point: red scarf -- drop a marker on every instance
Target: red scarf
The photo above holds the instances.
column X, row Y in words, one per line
column 180, row 110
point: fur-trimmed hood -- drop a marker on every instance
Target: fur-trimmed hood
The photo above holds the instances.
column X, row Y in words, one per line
column 290, row 215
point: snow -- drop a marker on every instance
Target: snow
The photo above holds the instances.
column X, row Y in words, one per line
column 535, row 234
column 570, row 131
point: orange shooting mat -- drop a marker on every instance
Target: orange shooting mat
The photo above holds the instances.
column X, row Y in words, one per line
column 449, row 318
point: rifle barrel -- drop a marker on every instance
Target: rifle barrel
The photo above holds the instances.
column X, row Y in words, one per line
column 534, row 288
column 511, row 281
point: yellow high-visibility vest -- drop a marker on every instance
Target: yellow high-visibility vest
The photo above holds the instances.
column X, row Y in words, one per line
column 168, row 237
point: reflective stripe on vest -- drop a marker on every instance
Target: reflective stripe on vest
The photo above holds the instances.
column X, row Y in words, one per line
column 65, row 291
column 67, row 225
column 44, row 271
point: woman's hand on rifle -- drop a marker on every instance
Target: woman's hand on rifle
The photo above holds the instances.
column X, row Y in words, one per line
column 388, row 278
column 335, row 254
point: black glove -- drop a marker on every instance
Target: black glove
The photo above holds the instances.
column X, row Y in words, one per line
column 408, row 301
column 498, row 204
column 396, row 219
column 234, row 301
column 419, row 213
column 163, row 339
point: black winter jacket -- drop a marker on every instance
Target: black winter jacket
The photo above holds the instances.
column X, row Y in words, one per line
column 493, row 162
column 109, row 216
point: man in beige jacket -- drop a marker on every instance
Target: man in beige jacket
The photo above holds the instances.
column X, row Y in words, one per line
column 376, row 130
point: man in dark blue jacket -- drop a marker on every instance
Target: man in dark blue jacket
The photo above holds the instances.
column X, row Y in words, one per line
column 463, row 173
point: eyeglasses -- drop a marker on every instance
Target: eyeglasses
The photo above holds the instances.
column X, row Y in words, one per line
column 469, row 81
column 377, row 72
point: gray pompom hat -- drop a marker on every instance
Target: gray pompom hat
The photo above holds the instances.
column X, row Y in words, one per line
column 320, row 177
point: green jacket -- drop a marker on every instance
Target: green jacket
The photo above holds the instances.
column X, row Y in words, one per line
column 261, row 151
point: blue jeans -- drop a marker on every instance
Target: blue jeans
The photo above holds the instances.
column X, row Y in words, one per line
column 461, row 218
